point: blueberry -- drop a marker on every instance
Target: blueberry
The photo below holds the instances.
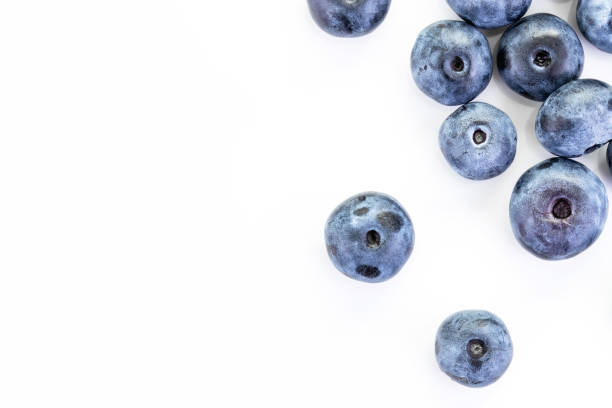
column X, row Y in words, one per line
column 576, row 118
column 609, row 156
column 558, row 208
column 478, row 141
column 348, row 18
column 451, row 62
column 595, row 21
column 369, row 237
column 538, row 54
column 473, row 347
column 490, row 13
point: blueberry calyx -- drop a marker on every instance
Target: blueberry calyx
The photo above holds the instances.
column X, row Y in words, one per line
column 479, row 137
column 542, row 59
column 457, row 64
column 476, row 348
column 373, row 239
column 562, row 209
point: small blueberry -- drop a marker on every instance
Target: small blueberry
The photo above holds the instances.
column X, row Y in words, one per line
column 473, row 348
column 538, row 54
column 369, row 237
column 595, row 22
column 348, row 18
column 478, row 141
column 451, row 62
column 558, row 208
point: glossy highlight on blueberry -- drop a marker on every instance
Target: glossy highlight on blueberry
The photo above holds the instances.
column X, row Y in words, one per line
column 576, row 119
column 594, row 19
column 538, row 54
column 558, row 209
column 490, row 13
column 473, row 347
column 451, row 62
column 478, row 141
column 348, row 18
column 369, row 237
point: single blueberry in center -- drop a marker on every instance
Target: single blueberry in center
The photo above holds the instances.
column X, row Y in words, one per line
column 457, row 64
column 373, row 239
column 542, row 59
column 479, row 137
column 476, row 348
column 562, row 209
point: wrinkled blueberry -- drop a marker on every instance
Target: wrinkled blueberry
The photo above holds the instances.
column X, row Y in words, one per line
column 348, row 18
column 538, row 54
column 478, row 140
column 451, row 62
column 595, row 21
column 558, row 208
column 576, row 118
column 473, row 348
column 369, row 237
column 490, row 13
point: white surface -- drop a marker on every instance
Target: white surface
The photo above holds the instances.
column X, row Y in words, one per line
column 166, row 170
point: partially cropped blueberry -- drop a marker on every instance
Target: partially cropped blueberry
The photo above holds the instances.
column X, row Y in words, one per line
column 576, row 119
column 595, row 21
column 451, row 62
column 473, row 347
column 478, row 141
column 369, row 237
column 538, row 54
column 558, row 208
column 490, row 13
column 348, row 18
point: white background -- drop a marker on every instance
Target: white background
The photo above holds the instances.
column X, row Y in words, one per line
column 166, row 170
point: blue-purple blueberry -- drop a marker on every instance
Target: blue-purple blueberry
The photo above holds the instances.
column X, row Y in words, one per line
column 490, row 13
column 348, row 18
column 558, row 208
column 576, row 119
column 478, row 141
column 609, row 156
column 451, row 62
column 369, row 237
column 538, row 54
column 473, row 347
column 595, row 21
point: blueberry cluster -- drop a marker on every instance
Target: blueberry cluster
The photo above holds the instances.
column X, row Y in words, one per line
column 558, row 208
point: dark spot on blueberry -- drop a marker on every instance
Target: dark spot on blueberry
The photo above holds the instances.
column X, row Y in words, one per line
column 459, row 379
column 610, row 104
column 425, row 68
column 562, row 209
column 545, row 165
column 390, row 221
column 344, row 24
column 368, row 271
column 478, row 43
column 332, row 250
column 457, row 64
column 592, row 148
column 479, row 137
column 373, row 239
column 542, row 59
column 476, row 348
column 361, row 211
column 361, row 198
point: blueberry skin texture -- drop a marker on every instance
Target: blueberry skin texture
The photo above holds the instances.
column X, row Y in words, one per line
column 538, row 54
column 369, row 237
column 594, row 19
column 490, row 13
column 461, row 141
column 558, row 209
column 576, row 119
column 451, row 62
column 348, row 18
column 487, row 361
